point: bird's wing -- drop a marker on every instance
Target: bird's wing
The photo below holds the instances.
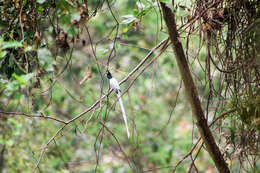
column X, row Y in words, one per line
column 114, row 84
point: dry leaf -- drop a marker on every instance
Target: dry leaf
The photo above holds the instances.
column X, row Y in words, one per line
column 87, row 76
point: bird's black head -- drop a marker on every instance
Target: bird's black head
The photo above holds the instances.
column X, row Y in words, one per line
column 109, row 76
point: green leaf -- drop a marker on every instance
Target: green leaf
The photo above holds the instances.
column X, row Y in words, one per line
column 40, row 8
column 12, row 86
column 2, row 54
column 10, row 142
column 19, row 79
column 116, row 46
column 125, row 29
column 125, row 36
column 66, row 19
column 144, row 12
column 135, row 13
column 12, row 44
column 27, row 77
column 17, row 133
column 1, row 41
column 23, row 79
column 18, row 96
column 13, row 121
column 72, row 31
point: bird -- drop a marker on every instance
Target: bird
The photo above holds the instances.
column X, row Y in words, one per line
column 115, row 86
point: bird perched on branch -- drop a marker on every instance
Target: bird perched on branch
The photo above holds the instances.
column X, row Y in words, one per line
column 115, row 86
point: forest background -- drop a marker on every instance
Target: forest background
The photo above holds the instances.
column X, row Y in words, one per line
column 57, row 113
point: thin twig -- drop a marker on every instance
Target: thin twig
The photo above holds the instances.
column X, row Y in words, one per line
column 20, row 19
column 117, row 141
column 33, row 116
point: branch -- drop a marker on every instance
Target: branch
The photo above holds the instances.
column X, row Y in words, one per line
column 93, row 106
column 33, row 116
column 124, row 80
column 191, row 92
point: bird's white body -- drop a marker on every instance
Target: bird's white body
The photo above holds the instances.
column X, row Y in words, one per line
column 115, row 86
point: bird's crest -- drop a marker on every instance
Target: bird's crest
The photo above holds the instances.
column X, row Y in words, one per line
column 109, row 76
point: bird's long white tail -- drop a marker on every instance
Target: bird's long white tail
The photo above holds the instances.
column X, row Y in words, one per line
column 123, row 112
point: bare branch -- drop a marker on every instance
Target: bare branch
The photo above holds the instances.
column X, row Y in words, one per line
column 33, row 116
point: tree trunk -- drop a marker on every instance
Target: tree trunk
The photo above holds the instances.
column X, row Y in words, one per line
column 191, row 92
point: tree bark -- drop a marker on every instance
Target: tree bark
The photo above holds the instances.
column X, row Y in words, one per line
column 191, row 92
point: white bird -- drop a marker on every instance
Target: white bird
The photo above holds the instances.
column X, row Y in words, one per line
column 115, row 86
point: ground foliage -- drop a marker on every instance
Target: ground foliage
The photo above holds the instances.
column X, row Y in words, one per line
column 56, row 114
